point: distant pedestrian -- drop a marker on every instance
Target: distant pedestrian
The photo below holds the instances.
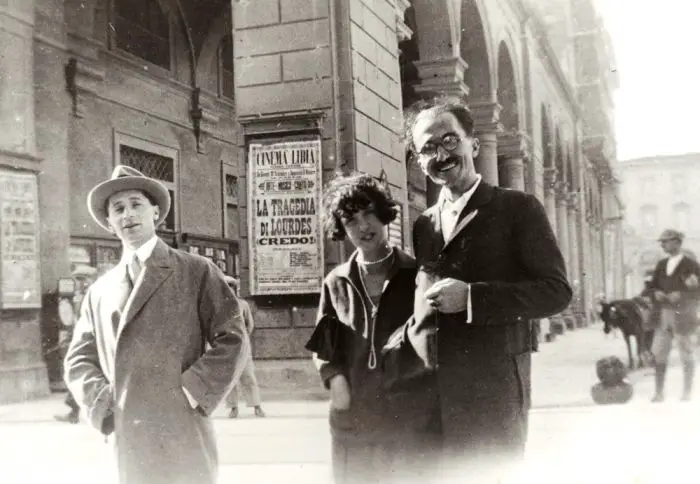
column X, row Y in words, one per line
column 676, row 289
column 83, row 276
column 248, row 384
column 158, row 345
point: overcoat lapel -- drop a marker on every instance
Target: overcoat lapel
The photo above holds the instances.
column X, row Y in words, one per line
column 158, row 269
column 482, row 195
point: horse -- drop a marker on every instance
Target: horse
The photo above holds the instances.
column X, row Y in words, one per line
column 632, row 317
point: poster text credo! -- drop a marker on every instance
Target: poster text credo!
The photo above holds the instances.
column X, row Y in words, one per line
column 285, row 239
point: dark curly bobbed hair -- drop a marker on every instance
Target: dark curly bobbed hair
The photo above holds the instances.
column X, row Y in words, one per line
column 349, row 194
column 437, row 104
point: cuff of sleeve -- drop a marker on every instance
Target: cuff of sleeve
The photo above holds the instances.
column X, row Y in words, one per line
column 101, row 408
column 190, row 398
column 328, row 371
column 469, row 304
column 194, row 387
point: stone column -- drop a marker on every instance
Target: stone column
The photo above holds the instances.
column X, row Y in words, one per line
column 550, row 201
column 585, row 260
column 22, row 369
column 563, row 237
column 511, row 173
column 574, row 256
column 487, row 129
column 513, row 150
column 563, row 226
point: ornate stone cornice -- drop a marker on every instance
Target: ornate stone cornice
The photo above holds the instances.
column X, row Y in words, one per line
column 403, row 32
column 445, row 75
column 486, row 116
column 514, row 144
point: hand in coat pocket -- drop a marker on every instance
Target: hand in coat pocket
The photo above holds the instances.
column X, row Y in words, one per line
column 340, row 393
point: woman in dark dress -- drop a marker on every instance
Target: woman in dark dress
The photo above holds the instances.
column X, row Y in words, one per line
column 377, row 436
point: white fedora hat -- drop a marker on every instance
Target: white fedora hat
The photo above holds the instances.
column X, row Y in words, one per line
column 126, row 178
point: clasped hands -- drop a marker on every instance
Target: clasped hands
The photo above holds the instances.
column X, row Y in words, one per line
column 448, row 295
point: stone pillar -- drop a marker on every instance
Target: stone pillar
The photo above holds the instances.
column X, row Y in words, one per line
column 574, row 257
column 563, row 226
column 22, row 369
column 513, row 149
column 550, row 202
column 564, row 246
column 55, row 117
column 487, row 129
column 511, row 173
column 585, row 260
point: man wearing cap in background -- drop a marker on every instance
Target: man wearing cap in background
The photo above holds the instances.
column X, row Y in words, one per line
column 247, row 383
column 675, row 285
column 158, row 344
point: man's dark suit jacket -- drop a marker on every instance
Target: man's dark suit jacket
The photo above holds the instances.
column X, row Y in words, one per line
column 686, row 308
column 509, row 254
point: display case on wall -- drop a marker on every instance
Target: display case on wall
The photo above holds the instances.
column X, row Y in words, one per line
column 223, row 252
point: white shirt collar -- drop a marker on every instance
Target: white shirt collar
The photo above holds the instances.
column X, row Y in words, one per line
column 462, row 201
column 143, row 252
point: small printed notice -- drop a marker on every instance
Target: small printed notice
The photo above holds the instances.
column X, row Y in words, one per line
column 19, row 241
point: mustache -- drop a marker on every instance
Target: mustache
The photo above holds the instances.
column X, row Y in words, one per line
column 450, row 159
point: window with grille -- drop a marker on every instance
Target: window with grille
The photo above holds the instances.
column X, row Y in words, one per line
column 226, row 67
column 141, row 28
column 154, row 165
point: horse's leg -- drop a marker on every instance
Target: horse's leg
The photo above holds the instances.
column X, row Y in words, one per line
column 629, row 351
column 640, row 347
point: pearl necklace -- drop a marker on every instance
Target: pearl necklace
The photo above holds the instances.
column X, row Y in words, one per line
column 378, row 261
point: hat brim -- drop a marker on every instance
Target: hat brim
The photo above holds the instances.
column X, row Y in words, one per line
column 98, row 196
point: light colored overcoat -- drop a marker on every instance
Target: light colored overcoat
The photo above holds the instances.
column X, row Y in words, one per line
column 129, row 367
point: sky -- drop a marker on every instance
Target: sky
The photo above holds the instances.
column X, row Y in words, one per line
column 657, row 48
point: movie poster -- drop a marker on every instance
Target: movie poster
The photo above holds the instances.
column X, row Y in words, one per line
column 19, row 241
column 285, row 236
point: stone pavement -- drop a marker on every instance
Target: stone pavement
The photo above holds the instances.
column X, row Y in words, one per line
column 563, row 371
column 570, row 439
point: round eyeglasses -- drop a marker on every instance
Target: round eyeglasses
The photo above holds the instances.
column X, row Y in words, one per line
column 449, row 143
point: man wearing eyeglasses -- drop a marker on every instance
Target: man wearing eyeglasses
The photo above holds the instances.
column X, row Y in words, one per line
column 498, row 267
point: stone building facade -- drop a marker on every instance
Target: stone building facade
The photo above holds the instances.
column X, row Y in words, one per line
column 658, row 193
column 183, row 90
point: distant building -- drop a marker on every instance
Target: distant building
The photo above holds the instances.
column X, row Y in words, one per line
column 658, row 192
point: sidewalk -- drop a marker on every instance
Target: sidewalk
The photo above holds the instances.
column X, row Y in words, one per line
column 43, row 410
column 563, row 371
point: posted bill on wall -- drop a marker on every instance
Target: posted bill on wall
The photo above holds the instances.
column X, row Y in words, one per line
column 19, row 241
column 284, row 231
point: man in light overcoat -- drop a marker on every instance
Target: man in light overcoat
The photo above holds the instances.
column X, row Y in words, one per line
column 158, row 344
